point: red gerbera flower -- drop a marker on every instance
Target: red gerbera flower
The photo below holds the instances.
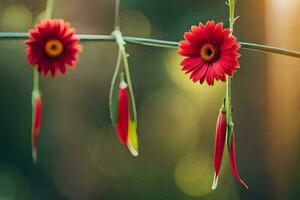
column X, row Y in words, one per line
column 52, row 46
column 211, row 53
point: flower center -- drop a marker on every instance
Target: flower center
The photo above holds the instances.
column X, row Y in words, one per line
column 208, row 52
column 54, row 48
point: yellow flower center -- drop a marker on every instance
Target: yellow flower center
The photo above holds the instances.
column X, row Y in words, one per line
column 208, row 52
column 54, row 48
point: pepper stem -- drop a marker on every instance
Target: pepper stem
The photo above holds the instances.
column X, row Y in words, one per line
column 49, row 9
column 228, row 105
column 117, row 11
column 121, row 43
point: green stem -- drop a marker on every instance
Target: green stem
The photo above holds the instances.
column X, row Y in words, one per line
column 111, row 91
column 117, row 11
column 36, row 81
column 228, row 106
column 121, row 43
column 127, row 74
column 160, row 43
column 49, row 9
column 36, row 89
column 151, row 42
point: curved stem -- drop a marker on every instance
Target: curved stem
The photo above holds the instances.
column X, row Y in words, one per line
column 121, row 43
column 127, row 74
column 111, row 91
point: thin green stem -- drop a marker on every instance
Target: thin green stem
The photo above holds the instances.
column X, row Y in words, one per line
column 117, row 11
column 228, row 106
column 160, row 43
column 48, row 13
column 36, row 81
column 49, row 9
column 127, row 74
column 121, row 43
column 112, row 95
column 151, row 42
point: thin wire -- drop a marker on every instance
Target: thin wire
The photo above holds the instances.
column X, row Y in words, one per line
column 159, row 43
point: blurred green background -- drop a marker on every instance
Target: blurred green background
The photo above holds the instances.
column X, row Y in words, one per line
column 80, row 156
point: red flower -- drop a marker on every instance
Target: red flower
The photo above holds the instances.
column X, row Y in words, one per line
column 122, row 126
column 219, row 149
column 52, row 46
column 37, row 117
column 211, row 53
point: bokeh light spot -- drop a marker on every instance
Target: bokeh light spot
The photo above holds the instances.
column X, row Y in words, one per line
column 16, row 18
column 135, row 23
column 193, row 175
column 201, row 94
column 7, row 186
column 39, row 18
column 172, row 63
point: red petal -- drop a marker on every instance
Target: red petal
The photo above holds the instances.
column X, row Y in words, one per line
column 199, row 72
column 123, row 113
column 61, row 68
column 229, row 42
column 210, row 76
column 203, row 75
column 233, row 161
column 190, row 63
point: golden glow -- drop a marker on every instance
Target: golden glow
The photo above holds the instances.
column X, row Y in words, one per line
column 16, row 18
column 200, row 93
column 135, row 23
column 283, row 95
column 54, row 48
column 193, row 175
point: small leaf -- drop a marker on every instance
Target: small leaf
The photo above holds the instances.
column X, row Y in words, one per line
column 133, row 139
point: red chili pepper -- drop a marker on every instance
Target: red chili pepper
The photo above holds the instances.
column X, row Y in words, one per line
column 233, row 161
column 37, row 117
column 220, row 138
column 122, row 126
column 219, row 145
